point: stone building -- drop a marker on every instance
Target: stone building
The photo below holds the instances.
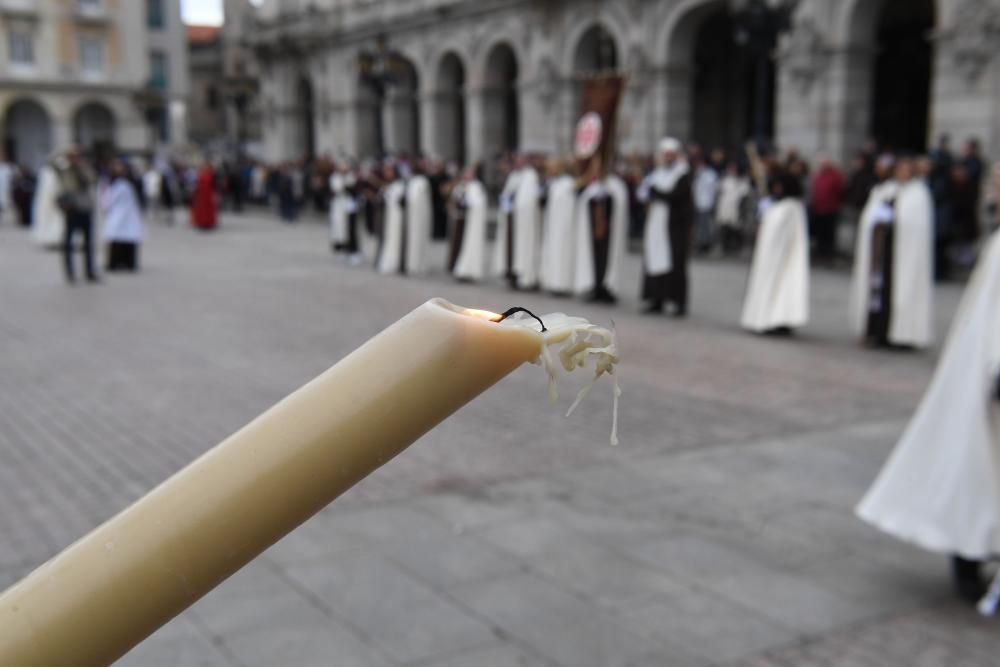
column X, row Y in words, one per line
column 106, row 74
column 468, row 78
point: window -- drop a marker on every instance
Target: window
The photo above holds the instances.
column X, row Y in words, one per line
column 212, row 98
column 155, row 17
column 89, row 6
column 159, row 71
column 22, row 47
column 91, row 55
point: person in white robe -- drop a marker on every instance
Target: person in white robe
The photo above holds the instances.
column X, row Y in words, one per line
column 892, row 284
column 122, row 220
column 734, row 188
column 419, row 218
column 392, row 235
column 601, row 230
column 343, row 213
column 503, row 248
column 777, row 297
column 527, row 228
column 48, row 224
column 666, row 237
column 6, row 189
column 940, row 487
column 468, row 242
column 558, row 263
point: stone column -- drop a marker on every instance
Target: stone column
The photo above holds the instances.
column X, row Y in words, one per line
column 475, row 124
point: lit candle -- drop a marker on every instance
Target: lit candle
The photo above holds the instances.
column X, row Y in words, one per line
column 107, row 592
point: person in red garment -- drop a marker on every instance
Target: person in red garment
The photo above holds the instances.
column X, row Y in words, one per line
column 204, row 206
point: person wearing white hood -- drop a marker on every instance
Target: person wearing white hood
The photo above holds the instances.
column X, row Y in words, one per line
column 601, row 236
column 344, row 213
column 892, row 286
column 391, row 257
column 940, row 488
column 466, row 259
column 558, row 245
column 48, row 221
column 666, row 239
column 777, row 298
column 503, row 249
column 122, row 215
column 527, row 226
column 419, row 218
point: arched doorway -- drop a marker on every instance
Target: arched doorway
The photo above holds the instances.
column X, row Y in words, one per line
column 94, row 130
column 450, row 123
column 403, row 110
column 305, row 140
column 902, row 74
column 501, row 104
column 596, row 52
column 27, row 133
column 370, row 131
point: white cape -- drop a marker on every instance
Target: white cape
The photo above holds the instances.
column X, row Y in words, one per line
column 778, row 289
column 419, row 213
column 912, row 270
column 470, row 264
column 341, row 207
column 505, row 213
column 558, row 247
column 48, row 221
column 940, row 488
column 584, row 280
column 121, row 214
column 391, row 251
column 656, row 236
column 527, row 229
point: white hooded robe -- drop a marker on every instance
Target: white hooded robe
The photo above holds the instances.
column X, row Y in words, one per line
column 419, row 216
column 471, row 262
column 391, row 250
column 527, row 229
column 558, row 241
column 583, row 282
column 505, row 214
column 48, row 221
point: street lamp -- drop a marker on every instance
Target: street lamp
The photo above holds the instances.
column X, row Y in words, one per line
column 758, row 24
column 380, row 68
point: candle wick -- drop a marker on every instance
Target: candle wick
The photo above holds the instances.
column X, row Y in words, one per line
column 518, row 309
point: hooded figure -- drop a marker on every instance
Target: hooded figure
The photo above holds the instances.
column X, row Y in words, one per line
column 467, row 260
column 419, row 221
column 392, row 236
column 48, row 222
column 601, row 236
column 556, row 272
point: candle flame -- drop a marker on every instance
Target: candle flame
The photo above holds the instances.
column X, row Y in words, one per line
column 482, row 314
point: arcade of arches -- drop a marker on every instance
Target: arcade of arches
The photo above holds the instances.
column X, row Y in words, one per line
column 843, row 73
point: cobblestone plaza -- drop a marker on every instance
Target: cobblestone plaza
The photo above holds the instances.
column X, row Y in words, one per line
column 719, row 532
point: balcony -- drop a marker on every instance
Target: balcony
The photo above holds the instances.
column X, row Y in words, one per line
column 22, row 9
column 91, row 12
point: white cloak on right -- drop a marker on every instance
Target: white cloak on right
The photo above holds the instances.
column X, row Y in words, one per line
column 912, row 264
column 419, row 216
column 558, row 245
column 391, row 250
column 48, row 223
column 505, row 213
column 940, row 488
column 471, row 261
column 527, row 229
column 615, row 188
column 656, row 250
column 778, row 290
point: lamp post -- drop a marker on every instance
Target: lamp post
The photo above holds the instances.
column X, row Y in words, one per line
column 380, row 69
column 758, row 24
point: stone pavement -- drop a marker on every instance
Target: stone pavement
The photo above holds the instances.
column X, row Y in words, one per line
column 720, row 532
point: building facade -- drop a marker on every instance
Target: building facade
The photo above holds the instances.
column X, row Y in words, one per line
column 466, row 79
column 108, row 75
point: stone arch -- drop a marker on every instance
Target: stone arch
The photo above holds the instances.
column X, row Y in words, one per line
column 596, row 50
column 501, row 101
column 27, row 132
column 575, row 35
column 95, row 129
column 402, row 109
column 449, row 98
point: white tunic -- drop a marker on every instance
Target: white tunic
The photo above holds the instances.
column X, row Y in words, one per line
column 342, row 206
column 419, row 214
column 778, row 289
column 471, row 262
column 48, row 221
column 391, row 252
column 656, row 237
column 732, row 191
column 527, row 229
column 558, row 241
column 940, row 488
column 614, row 187
column 122, row 217
column 504, row 214
column 912, row 263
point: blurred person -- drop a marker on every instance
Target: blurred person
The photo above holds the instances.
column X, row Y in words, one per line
column 705, row 187
column 860, row 181
column 734, row 188
column 467, row 256
column 122, row 217
column 438, row 178
column 419, row 220
column 258, row 183
column 152, row 183
column 973, row 161
column 777, row 296
column 205, row 203
column 344, row 213
column 826, row 200
column 392, row 235
column 288, row 199
column 556, row 273
column 23, row 194
column 892, row 286
column 601, row 236
column 965, row 219
column 666, row 239
column 527, row 221
column 48, row 221
column 939, row 487
column 503, row 249
column 75, row 186
column 7, row 174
